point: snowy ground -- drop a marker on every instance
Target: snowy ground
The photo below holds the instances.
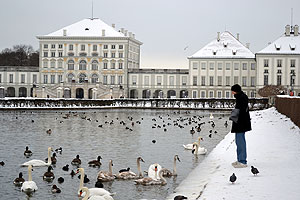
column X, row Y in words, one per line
column 273, row 147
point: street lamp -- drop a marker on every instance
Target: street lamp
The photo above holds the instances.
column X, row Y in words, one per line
column 292, row 79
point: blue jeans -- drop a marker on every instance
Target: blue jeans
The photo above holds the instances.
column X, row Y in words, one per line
column 241, row 147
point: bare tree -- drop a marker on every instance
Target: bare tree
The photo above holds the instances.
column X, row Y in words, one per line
column 19, row 55
column 271, row 90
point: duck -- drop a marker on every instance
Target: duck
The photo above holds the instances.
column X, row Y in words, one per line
column 167, row 172
column 66, row 168
column 29, row 186
column 152, row 181
column 20, row 180
column 86, row 179
column 106, row 176
column 192, row 131
column 39, row 163
column 72, row 173
column 55, row 189
column 59, row 150
column 88, row 195
column 99, row 184
column 60, row 180
column 198, row 150
column 152, row 170
column 49, row 131
column 124, row 170
column 76, row 161
column 92, row 191
column 2, row 163
column 95, row 163
column 48, row 175
column 190, row 146
column 27, row 152
column 129, row 174
column 53, row 159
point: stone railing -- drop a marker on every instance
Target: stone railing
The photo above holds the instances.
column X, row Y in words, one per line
column 289, row 106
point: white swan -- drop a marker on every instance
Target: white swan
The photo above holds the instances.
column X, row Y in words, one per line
column 88, row 197
column 190, row 146
column 167, row 172
column 151, row 181
column 153, row 169
column 92, row 191
column 198, row 150
column 131, row 175
column 106, row 176
column 39, row 163
column 211, row 116
column 29, row 186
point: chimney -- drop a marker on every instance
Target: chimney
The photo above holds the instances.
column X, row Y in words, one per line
column 113, row 25
column 133, row 35
column 287, row 30
column 130, row 34
column 296, row 30
column 238, row 36
column 122, row 30
column 125, row 32
column 218, row 36
column 65, row 32
column 103, row 32
column 248, row 45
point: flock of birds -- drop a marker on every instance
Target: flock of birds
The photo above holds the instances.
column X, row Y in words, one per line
column 233, row 177
column 154, row 176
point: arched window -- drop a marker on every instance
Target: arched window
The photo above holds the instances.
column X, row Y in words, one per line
column 70, row 65
column 82, row 78
column 94, row 78
column 82, row 65
column 70, row 78
column 95, row 65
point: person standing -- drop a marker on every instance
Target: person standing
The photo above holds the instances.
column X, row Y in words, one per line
column 241, row 126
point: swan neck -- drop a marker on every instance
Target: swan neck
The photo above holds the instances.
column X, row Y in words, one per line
column 87, row 193
column 110, row 168
column 163, row 180
column 49, row 157
column 139, row 168
column 29, row 174
column 81, row 178
column 199, row 141
column 174, row 167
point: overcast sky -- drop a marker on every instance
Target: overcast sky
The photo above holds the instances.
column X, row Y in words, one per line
column 165, row 27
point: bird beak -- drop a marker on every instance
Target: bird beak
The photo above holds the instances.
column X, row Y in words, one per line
column 80, row 193
column 142, row 160
column 201, row 139
column 178, row 159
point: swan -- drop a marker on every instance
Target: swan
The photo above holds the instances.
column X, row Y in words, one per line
column 190, row 146
column 151, row 181
column 131, row 175
column 198, row 150
column 94, row 197
column 92, row 191
column 39, row 163
column 211, row 116
column 29, row 186
column 167, row 172
column 27, row 152
column 20, row 180
column 95, row 163
column 152, row 171
column 106, row 176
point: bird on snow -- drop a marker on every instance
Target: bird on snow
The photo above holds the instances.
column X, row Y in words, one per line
column 232, row 178
column 179, row 197
column 254, row 170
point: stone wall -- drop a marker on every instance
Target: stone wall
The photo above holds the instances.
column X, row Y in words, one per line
column 289, row 106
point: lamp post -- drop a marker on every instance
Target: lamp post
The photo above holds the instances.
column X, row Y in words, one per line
column 292, row 79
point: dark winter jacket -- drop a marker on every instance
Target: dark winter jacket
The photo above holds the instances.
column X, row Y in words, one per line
column 243, row 124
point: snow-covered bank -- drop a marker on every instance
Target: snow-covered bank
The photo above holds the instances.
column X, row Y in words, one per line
column 273, row 147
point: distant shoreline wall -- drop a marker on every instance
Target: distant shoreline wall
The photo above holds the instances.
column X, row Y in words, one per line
column 289, row 106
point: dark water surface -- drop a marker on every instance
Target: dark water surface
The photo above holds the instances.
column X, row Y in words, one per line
column 81, row 136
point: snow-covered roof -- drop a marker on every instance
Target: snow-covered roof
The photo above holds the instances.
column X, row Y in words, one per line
column 87, row 28
column 226, row 47
column 283, row 45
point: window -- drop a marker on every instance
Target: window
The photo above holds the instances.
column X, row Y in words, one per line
column 202, row 94
column 159, row 80
column 279, row 63
column 45, row 54
column 293, row 63
column 227, row 94
column 227, row 80
column 279, row 71
column 22, row 78
column 278, row 79
column 52, row 46
column 120, row 65
column 45, row 46
column 105, row 65
column 113, row 46
column 60, row 54
column 211, row 94
column 219, row 93
column 94, row 65
column 203, row 66
column 194, row 94
column 59, row 77
column 203, row 80
column 52, row 64
column 82, row 78
column 244, row 81
column 71, row 47
column 94, row 47
column 70, row 65
column 219, row 80
column 120, row 46
column 82, row 47
column 266, row 71
column 105, row 54
column 105, row 46
column 211, row 66
column 146, row 80
column 220, row 66
column 120, row 80
column 60, row 46
column 266, row 79
column 52, row 54
column 82, row 65
column 120, row 55
column 113, row 55
column 60, row 64
column 194, row 80
column 252, row 81
column 266, row 63
column 45, row 64
column 195, row 65
column 34, row 78
column 45, row 79
column 252, row 66
column 70, row 78
column 105, row 80
column 171, row 80
column 211, row 80
column 236, row 66
column 113, row 65
column 94, row 78
column 244, row 66
column 52, row 77
column 227, row 66
column 184, row 80
column 235, row 80
column 134, row 80
column 252, row 94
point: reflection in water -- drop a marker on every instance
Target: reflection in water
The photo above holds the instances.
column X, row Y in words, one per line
column 79, row 134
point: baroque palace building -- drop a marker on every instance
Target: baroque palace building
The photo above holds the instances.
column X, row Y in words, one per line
column 92, row 60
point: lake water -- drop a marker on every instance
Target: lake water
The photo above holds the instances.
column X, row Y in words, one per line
column 83, row 136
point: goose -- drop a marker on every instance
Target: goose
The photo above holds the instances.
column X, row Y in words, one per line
column 29, row 186
column 168, row 173
column 27, row 152
column 129, row 174
column 39, row 163
column 152, row 181
column 20, row 180
column 106, row 176
column 92, row 191
column 95, row 163
column 198, row 150
column 76, row 161
column 152, row 171
column 86, row 191
column 190, row 146
column 48, row 175
column 55, row 189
